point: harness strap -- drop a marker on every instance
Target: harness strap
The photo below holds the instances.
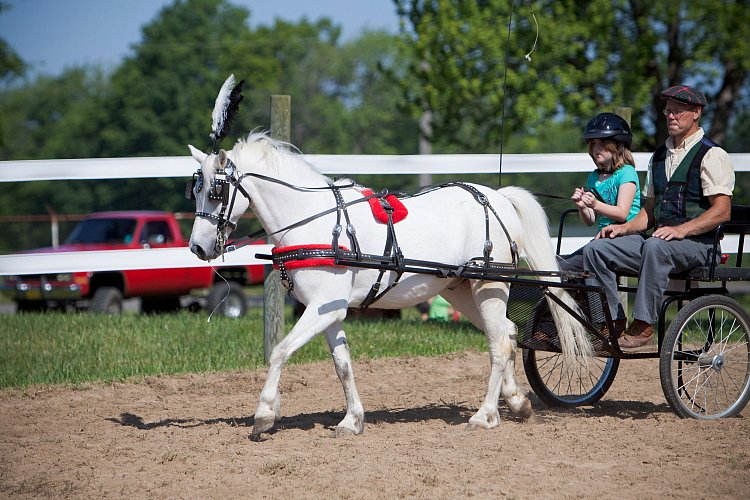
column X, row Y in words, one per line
column 392, row 252
column 391, row 249
column 482, row 200
column 295, row 257
column 254, row 236
column 351, row 232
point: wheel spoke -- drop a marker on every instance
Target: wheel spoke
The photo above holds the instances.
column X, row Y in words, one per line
column 705, row 363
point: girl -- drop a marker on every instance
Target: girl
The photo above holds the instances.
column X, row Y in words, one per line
column 612, row 191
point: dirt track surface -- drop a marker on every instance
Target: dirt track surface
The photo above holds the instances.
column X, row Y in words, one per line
column 187, row 437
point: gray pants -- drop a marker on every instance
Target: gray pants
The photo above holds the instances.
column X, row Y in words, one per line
column 653, row 259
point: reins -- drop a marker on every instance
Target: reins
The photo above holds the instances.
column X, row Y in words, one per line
column 392, row 258
column 341, row 205
column 256, row 235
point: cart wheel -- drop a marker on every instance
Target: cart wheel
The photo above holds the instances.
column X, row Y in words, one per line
column 705, row 359
column 555, row 383
column 559, row 385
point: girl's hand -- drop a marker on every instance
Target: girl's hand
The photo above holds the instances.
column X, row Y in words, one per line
column 589, row 200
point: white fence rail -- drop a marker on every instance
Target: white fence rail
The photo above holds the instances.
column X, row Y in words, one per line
column 335, row 165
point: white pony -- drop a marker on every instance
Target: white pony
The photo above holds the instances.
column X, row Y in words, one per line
column 446, row 225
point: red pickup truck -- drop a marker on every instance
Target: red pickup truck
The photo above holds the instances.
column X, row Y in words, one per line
column 159, row 289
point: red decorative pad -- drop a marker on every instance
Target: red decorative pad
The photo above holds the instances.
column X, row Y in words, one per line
column 311, row 262
column 399, row 210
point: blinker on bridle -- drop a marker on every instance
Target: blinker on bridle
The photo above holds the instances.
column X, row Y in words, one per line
column 218, row 191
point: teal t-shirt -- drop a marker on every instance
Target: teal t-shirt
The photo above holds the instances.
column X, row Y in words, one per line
column 610, row 187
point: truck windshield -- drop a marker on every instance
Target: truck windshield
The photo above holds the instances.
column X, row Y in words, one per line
column 103, row 231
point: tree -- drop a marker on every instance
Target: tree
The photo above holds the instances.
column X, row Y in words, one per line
column 160, row 99
column 11, row 65
column 590, row 56
column 162, row 96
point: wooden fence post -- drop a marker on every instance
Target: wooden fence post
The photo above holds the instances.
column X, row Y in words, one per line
column 273, row 290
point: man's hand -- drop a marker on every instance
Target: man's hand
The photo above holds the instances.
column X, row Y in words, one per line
column 668, row 233
column 613, row 231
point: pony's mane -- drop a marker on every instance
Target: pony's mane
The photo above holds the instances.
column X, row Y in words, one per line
column 262, row 154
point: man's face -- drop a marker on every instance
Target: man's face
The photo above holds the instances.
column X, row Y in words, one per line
column 681, row 118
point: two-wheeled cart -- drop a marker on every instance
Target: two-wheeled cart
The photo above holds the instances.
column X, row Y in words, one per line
column 703, row 348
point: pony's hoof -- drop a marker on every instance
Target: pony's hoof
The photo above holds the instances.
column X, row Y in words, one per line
column 262, row 424
column 258, row 438
column 526, row 413
column 353, row 424
column 484, row 419
column 339, row 431
column 480, row 424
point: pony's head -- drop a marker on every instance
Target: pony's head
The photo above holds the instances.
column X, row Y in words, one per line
column 214, row 188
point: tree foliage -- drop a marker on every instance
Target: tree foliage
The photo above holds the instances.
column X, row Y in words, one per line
column 11, row 65
column 591, row 55
column 160, row 99
column 461, row 62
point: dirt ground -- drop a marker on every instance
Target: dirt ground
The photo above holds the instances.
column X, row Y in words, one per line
column 187, row 437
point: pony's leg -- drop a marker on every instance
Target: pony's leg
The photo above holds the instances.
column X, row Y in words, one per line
column 514, row 397
column 315, row 319
column 491, row 301
column 354, row 420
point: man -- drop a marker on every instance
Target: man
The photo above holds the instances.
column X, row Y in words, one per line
column 687, row 194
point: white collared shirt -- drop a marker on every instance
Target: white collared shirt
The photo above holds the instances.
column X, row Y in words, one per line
column 717, row 171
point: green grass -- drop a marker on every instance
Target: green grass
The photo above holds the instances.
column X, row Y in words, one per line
column 56, row 348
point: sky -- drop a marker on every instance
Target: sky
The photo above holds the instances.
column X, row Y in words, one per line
column 52, row 35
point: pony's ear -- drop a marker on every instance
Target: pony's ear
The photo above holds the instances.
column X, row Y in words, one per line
column 199, row 155
column 221, row 159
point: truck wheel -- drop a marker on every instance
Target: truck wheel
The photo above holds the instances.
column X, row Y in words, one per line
column 155, row 305
column 227, row 299
column 25, row 306
column 107, row 300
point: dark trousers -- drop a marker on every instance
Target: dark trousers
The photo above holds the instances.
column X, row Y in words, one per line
column 653, row 259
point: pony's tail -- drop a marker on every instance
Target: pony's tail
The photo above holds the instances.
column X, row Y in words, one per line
column 537, row 248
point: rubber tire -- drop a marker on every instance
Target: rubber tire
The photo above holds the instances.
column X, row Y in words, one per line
column 106, row 300
column 601, row 370
column 235, row 304
column 157, row 305
column 546, row 378
column 729, row 370
column 30, row 306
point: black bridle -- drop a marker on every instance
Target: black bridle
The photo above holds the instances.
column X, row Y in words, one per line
column 219, row 191
column 231, row 176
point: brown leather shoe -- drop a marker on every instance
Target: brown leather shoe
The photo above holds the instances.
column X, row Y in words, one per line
column 638, row 334
column 634, row 341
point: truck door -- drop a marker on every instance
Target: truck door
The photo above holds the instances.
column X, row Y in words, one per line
column 172, row 281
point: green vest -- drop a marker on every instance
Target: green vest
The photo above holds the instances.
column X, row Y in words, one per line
column 681, row 198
